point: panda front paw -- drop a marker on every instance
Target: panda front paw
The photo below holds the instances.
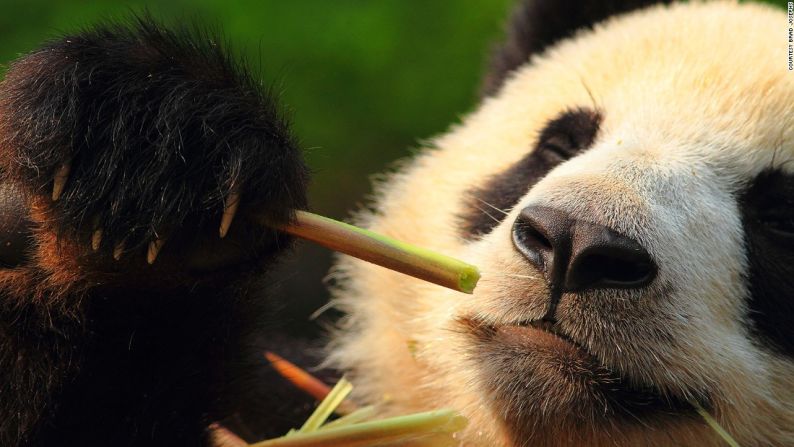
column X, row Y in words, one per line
column 128, row 136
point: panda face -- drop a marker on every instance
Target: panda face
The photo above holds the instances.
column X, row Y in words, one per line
column 627, row 195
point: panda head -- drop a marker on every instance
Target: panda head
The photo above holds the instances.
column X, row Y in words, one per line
column 627, row 190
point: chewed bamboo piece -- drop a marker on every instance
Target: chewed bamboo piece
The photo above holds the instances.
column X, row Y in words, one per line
column 385, row 251
column 328, row 405
column 357, row 427
column 305, row 381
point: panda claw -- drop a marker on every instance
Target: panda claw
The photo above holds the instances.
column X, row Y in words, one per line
column 96, row 239
column 59, row 181
column 118, row 250
column 154, row 249
column 229, row 211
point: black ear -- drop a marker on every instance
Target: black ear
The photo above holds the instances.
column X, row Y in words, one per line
column 537, row 24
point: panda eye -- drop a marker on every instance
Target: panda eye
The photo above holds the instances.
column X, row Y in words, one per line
column 569, row 134
column 779, row 223
column 559, row 146
column 770, row 204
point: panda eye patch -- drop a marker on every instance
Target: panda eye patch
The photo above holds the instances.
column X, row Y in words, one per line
column 768, row 218
column 563, row 137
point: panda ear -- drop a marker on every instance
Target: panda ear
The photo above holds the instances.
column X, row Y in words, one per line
column 538, row 24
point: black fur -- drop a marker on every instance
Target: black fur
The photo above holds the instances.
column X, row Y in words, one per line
column 159, row 126
column 159, row 368
column 537, row 24
column 15, row 234
column 561, row 138
column 768, row 215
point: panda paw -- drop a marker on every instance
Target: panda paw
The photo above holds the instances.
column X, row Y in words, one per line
column 131, row 138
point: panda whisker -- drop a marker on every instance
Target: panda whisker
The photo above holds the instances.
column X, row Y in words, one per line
column 488, row 214
column 493, row 207
column 589, row 92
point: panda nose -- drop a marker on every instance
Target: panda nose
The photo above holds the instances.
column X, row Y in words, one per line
column 576, row 255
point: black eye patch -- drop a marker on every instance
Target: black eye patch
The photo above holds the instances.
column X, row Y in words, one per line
column 565, row 136
column 768, row 218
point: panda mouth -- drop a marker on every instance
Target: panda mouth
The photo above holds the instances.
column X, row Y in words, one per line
column 539, row 333
column 546, row 326
column 539, row 351
column 535, row 332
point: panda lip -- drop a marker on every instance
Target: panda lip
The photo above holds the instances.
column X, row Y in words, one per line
column 546, row 335
column 550, row 327
column 539, row 332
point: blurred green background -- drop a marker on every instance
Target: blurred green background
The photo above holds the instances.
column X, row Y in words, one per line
column 364, row 81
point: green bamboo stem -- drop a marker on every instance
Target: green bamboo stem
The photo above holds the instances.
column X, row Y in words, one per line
column 357, row 416
column 385, row 251
column 411, row 428
column 327, row 406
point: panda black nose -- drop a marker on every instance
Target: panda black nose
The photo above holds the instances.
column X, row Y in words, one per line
column 576, row 255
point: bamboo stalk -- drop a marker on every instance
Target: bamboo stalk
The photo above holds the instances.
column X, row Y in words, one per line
column 413, row 427
column 298, row 377
column 384, row 251
column 359, row 415
column 323, row 411
column 305, row 381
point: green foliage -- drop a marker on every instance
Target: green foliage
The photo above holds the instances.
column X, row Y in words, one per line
column 780, row 3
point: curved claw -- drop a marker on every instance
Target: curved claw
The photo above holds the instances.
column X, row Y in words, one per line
column 229, row 210
column 96, row 236
column 118, row 250
column 96, row 239
column 154, row 249
column 59, row 181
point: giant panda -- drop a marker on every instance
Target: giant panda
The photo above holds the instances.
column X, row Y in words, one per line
column 624, row 187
